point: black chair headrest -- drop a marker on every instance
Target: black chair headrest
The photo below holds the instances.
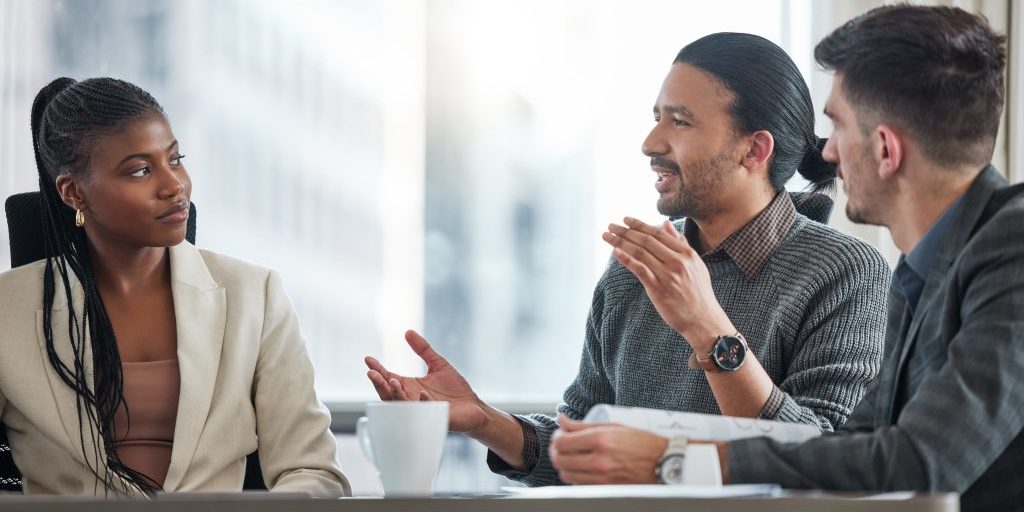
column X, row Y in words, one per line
column 25, row 227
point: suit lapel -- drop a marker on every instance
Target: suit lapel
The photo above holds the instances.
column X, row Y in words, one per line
column 200, row 315
column 897, row 324
column 971, row 208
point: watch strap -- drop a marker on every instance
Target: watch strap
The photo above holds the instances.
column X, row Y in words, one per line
column 707, row 362
column 676, row 448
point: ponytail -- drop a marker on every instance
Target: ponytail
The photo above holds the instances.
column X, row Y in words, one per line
column 815, row 169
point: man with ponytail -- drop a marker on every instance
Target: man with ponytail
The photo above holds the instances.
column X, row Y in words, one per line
column 794, row 307
column 915, row 105
column 133, row 361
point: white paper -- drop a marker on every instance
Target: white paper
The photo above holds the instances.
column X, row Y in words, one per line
column 889, row 496
column 707, row 427
column 643, row 491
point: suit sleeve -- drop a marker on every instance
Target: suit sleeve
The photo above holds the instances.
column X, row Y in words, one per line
column 296, row 448
column 961, row 418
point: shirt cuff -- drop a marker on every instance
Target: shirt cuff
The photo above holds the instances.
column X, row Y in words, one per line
column 772, row 406
column 530, row 453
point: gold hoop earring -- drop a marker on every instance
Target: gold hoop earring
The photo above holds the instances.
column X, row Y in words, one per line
column 79, row 217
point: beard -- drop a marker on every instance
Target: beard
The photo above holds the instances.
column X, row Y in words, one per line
column 858, row 215
column 698, row 187
column 865, row 192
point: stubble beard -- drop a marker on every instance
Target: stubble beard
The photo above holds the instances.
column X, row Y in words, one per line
column 696, row 198
column 870, row 194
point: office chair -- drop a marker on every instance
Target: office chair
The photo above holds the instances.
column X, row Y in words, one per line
column 24, row 226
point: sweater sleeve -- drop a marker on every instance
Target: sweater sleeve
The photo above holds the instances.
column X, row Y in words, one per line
column 840, row 344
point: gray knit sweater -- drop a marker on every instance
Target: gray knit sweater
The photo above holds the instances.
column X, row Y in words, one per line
column 814, row 316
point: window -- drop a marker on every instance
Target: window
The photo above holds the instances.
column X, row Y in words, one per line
column 445, row 165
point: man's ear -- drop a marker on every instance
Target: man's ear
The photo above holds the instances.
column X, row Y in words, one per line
column 70, row 192
column 888, row 149
column 760, row 150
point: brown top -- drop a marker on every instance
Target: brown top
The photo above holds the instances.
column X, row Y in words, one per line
column 151, row 394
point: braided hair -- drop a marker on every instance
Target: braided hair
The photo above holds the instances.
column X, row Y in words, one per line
column 68, row 118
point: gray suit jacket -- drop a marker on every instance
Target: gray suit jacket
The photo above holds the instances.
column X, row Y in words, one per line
column 946, row 412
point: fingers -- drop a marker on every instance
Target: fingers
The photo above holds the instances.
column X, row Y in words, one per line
column 376, row 366
column 578, row 454
column 380, row 384
column 581, row 468
column 382, row 380
column 423, row 349
column 580, row 461
column 583, row 441
column 638, row 246
column 672, row 239
column 643, row 246
column 398, row 391
column 570, row 425
column 641, row 271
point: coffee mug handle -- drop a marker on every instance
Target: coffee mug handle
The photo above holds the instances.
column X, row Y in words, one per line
column 363, row 435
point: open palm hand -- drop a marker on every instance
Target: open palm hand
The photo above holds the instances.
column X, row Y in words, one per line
column 442, row 382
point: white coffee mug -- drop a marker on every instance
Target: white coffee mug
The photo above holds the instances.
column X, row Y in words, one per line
column 701, row 465
column 405, row 441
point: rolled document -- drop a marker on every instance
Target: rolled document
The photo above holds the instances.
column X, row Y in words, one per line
column 700, row 426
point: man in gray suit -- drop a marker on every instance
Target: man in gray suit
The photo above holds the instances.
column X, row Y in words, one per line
column 915, row 105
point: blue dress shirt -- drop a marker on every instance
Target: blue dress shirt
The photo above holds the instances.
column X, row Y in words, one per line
column 912, row 269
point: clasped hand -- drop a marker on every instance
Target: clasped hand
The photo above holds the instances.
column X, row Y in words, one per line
column 604, row 453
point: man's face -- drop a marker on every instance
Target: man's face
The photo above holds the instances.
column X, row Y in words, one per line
column 850, row 148
column 692, row 146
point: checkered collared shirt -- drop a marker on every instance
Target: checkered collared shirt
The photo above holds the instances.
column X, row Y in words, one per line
column 750, row 246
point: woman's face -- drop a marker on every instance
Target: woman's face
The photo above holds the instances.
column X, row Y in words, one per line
column 135, row 192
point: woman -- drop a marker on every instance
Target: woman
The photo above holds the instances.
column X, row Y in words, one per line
column 134, row 362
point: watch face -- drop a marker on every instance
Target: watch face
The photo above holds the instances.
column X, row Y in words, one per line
column 729, row 353
column 672, row 469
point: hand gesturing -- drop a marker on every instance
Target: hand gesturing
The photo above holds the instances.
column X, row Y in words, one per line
column 442, row 382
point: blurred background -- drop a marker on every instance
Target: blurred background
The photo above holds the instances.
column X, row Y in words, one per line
column 443, row 165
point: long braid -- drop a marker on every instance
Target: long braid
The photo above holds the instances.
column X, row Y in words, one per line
column 67, row 118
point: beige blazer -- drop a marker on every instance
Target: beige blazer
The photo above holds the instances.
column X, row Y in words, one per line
column 246, row 382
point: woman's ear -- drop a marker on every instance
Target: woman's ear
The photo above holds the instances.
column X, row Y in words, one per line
column 70, row 192
column 761, row 146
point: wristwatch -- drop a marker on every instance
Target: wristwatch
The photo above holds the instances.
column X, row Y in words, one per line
column 728, row 354
column 670, row 466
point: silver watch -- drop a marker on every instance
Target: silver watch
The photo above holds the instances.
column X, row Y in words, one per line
column 670, row 466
